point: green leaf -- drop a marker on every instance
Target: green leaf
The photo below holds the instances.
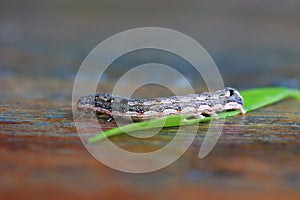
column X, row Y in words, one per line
column 254, row 99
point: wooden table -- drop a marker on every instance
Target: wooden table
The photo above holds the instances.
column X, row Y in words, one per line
column 257, row 156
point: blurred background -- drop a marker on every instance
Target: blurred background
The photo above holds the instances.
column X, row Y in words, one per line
column 42, row 44
column 254, row 43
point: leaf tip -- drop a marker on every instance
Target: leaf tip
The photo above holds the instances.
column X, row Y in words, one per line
column 95, row 139
column 296, row 94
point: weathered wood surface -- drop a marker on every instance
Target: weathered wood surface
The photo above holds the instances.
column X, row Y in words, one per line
column 41, row 156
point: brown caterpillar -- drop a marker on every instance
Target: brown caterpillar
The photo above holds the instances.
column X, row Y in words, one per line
column 200, row 105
